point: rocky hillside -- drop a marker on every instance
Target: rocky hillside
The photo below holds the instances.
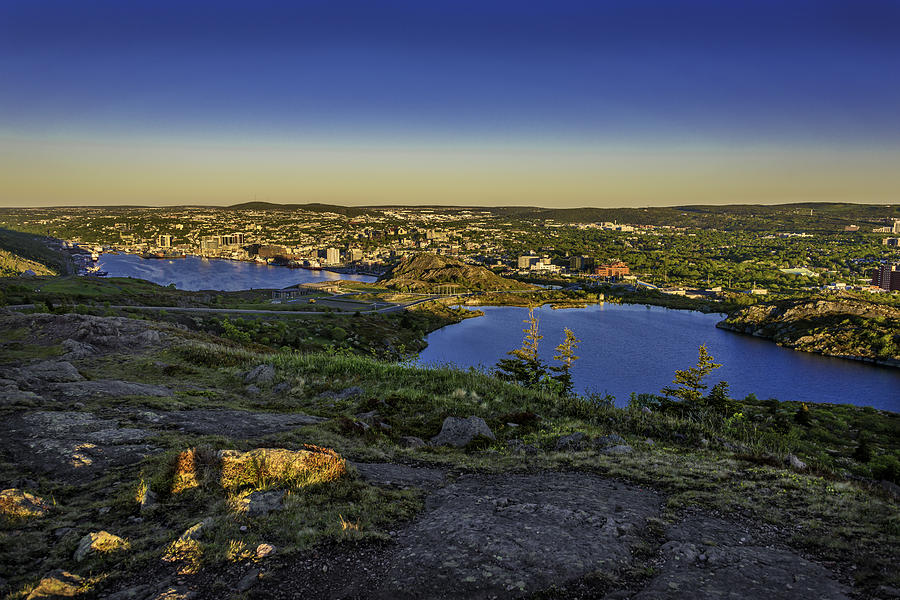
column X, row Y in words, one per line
column 141, row 460
column 846, row 327
column 12, row 264
column 426, row 272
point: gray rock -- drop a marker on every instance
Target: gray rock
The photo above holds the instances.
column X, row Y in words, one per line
column 393, row 474
column 795, row 462
column 75, row 349
column 19, row 503
column 409, row 441
column 605, row 441
column 231, row 423
column 250, row 578
column 571, row 442
column 98, row 542
column 282, row 388
column 108, row 387
column 344, row 394
column 259, row 504
column 265, row 550
column 459, row 432
column 136, row 592
column 148, row 499
column 621, row 449
column 252, row 390
column 260, row 375
column 57, row 584
column 54, row 371
column 646, row 410
column 195, row 532
column 520, row 447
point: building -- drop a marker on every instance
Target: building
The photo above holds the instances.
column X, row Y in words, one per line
column 896, row 228
column 851, row 228
column 355, row 254
column 526, row 261
column 616, row 269
column 332, row 256
column 581, row 263
column 887, row 276
column 891, row 241
column 164, row 241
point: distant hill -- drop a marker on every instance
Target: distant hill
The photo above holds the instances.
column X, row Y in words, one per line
column 350, row 211
column 426, row 272
column 20, row 252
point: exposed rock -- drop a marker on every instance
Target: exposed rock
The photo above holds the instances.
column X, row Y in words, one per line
column 344, row 394
column 282, row 388
column 621, row 449
column 890, row 487
column 252, row 390
column 135, row 592
column 195, row 532
column 424, row 271
column 606, row 441
column 71, row 444
column 459, row 432
column 178, row 592
column 231, row 423
column 54, row 371
column 571, row 442
column 57, row 584
column 393, row 474
column 520, row 447
column 710, row 559
column 259, row 504
column 75, row 350
column 260, row 375
column 108, row 387
column 148, row 499
column 19, row 503
column 10, row 394
column 250, row 578
column 509, row 536
column 265, row 550
column 795, row 462
column 98, row 542
column 409, row 441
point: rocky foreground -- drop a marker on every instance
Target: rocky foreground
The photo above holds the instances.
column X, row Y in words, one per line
column 139, row 462
column 846, row 328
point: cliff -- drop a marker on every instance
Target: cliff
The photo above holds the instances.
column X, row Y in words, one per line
column 847, row 328
column 425, row 272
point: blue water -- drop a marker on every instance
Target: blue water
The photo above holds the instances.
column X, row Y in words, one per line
column 194, row 273
column 636, row 348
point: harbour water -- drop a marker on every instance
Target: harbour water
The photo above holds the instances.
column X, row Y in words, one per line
column 637, row 348
column 195, row 273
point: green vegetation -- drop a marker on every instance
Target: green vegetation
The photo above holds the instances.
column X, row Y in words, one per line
column 432, row 273
column 22, row 251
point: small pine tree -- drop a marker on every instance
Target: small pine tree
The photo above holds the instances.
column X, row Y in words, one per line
column 690, row 381
column 566, row 356
column 525, row 367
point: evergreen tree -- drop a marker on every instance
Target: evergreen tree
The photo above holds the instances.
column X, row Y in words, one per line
column 690, row 381
column 566, row 356
column 525, row 367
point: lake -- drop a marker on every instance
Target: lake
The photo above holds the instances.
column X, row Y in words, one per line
column 637, row 348
column 195, row 273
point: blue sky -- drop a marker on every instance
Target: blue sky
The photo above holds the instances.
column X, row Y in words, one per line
column 670, row 82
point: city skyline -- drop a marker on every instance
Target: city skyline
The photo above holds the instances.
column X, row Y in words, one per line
column 562, row 105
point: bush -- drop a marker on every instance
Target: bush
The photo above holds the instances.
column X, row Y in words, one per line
column 886, row 467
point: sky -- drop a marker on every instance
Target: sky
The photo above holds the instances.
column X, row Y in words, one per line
column 558, row 103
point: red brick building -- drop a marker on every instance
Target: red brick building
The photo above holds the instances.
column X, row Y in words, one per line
column 616, row 269
column 887, row 277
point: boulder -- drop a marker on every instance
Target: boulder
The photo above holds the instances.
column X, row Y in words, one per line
column 147, row 499
column 459, row 432
column 572, row 442
column 99, row 542
column 795, row 462
column 252, row 390
column 520, row 447
column 195, row 532
column 260, row 374
column 408, row 441
column 57, row 584
column 259, row 504
column 605, row 441
column 282, row 388
column 265, row 550
column 54, row 371
column 18, row 503
column 620, row 449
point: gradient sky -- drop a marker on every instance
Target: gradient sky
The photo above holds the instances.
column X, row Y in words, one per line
column 556, row 103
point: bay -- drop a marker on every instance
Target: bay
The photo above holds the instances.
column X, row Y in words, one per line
column 637, row 348
column 194, row 273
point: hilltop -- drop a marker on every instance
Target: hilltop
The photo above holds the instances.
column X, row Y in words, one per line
column 425, row 272
column 847, row 327
column 149, row 460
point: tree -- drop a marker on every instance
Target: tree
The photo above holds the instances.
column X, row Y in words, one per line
column 525, row 367
column 566, row 356
column 690, row 381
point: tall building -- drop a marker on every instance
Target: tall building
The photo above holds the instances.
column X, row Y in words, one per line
column 525, row 262
column 355, row 254
column 887, row 277
column 581, row 263
column 616, row 269
column 332, row 256
column 896, row 228
column 164, row 241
